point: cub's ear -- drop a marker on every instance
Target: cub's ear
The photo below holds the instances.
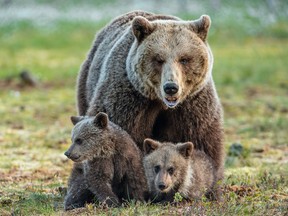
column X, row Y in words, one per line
column 150, row 145
column 185, row 149
column 101, row 120
column 76, row 119
column 201, row 26
column 141, row 28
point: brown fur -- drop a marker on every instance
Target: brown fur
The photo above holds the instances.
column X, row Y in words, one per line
column 78, row 193
column 131, row 62
column 172, row 168
column 111, row 163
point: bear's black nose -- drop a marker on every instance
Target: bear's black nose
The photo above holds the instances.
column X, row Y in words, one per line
column 171, row 88
column 162, row 186
column 67, row 154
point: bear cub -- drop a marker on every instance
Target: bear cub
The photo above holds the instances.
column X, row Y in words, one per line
column 172, row 168
column 112, row 163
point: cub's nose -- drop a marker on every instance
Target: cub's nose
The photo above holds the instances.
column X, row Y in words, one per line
column 67, row 154
column 171, row 88
column 162, row 186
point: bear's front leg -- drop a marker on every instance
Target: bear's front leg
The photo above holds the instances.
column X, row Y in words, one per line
column 136, row 180
column 77, row 198
column 104, row 194
column 99, row 174
column 78, row 193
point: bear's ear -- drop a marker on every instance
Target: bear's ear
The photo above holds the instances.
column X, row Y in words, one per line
column 76, row 119
column 101, row 120
column 201, row 26
column 185, row 149
column 150, row 145
column 141, row 28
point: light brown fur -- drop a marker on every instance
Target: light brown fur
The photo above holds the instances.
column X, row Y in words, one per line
column 172, row 168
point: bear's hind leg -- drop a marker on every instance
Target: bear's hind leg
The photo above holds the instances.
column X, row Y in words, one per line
column 77, row 199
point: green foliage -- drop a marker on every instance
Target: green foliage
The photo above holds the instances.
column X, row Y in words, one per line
column 236, row 149
column 63, row 46
column 178, row 197
column 35, row 204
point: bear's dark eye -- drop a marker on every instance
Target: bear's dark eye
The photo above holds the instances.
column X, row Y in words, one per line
column 184, row 61
column 160, row 61
column 157, row 169
column 78, row 141
column 170, row 170
column 157, row 59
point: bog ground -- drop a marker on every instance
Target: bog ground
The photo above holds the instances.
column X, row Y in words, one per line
column 251, row 76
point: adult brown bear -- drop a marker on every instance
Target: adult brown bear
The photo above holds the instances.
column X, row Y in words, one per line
column 152, row 75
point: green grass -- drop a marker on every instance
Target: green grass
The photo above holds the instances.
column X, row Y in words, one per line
column 250, row 72
column 53, row 53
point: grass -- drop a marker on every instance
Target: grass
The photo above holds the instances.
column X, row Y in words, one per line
column 61, row 46
column 250, row 72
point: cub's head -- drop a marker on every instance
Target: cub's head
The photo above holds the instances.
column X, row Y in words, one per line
column 166, row 165
column 88, row 137
column 169, row 59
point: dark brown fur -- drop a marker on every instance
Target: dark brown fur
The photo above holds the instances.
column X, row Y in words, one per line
column 78, row 193
column 125, row 73
column 111, row 164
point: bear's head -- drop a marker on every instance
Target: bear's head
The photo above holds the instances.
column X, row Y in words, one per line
column 89, row 137
column 169, row 60
column 166, row 165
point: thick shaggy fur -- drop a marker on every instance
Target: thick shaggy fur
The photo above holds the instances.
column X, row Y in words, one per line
column 172, row 168
column 111, row 168
column 131, row 62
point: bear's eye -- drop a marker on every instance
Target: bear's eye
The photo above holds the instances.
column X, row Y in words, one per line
column 170, row 170
column 184, row 61
column 158, row 60
column 157, row 169
column 78, row 141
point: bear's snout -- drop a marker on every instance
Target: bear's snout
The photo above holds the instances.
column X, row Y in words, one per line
column 170, row 93
column 67, row 154
column 171, row 88
column 162, row 186
column 71, row 156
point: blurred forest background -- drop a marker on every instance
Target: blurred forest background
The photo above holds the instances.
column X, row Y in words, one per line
column 44, row 42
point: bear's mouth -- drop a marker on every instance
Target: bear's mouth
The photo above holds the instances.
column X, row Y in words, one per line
column 171, row 102
column 76, row 158
column 165, row 191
